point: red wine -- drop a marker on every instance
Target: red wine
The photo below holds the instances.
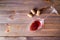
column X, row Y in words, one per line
column 34, row 26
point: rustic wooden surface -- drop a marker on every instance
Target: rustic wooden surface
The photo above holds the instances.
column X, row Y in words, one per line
column 21, row 21
column 29, row 38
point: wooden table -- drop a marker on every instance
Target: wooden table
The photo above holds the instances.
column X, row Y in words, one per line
column 20, row 25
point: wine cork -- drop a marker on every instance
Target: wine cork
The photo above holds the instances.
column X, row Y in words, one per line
column 38, row 13
column 30, row 15
column 33, row 12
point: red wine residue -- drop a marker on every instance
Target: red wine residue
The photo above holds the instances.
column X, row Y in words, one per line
column 34, row 26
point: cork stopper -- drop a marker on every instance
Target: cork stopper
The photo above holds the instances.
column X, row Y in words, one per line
column 32, row 11
column 38, row 13
column 30, row 15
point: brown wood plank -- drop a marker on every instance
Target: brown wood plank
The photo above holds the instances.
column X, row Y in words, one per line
column 42, row 32
column 13, row 38
column 50, row 19
column 46, row 26
column 43, row 38
column 21, row 12
column 52, row 26
column 21, row 19
column 22, row 30
column 21, row 5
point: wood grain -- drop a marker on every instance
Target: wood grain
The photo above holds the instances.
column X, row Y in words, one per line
column 42, row 32
column 21, row 21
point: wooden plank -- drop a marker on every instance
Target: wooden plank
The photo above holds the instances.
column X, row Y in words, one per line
column 18, row 25
column 13, row 38
column 43, row 38
column 5, row 19
column 22, row 13
column 42, row 32
column 29, row 38
column 20, row 1
column 22, row 30
column 17, row 5
column 51, row 26
column 21, row 19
